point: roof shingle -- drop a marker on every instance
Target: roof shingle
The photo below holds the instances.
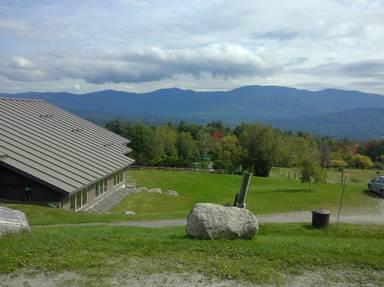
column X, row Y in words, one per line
column 58, row 147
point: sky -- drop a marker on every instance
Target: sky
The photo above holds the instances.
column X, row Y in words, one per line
column 83, row 46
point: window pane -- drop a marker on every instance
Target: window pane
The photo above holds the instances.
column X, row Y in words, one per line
column 105, row 184
column 78, row 200
column 96, row 190
column 72, row 202
column 101, row 186
column 85, row 193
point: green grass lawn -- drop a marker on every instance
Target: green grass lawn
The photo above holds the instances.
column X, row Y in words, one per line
column 266, row 195
column 99, row 251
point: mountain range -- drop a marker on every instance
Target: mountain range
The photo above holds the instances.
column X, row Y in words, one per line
column 332, row 112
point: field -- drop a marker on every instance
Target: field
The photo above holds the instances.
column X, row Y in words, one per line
column 280, row 253
column 100, row 253
column 275, row 194
column 266, row 195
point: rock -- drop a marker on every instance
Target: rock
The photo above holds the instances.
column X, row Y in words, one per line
column 213, row 221
column 128, row 212
column 155, row 190
column 141, row 189
column 170, row 192
column 12, row 221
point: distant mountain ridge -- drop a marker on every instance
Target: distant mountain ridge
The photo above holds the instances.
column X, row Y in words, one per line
column 359, row 124
column 288, row 108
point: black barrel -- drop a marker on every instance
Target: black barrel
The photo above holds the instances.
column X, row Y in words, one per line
column 320, row 217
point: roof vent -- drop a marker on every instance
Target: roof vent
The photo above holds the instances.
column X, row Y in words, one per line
column 108, row 144
column 77, row 130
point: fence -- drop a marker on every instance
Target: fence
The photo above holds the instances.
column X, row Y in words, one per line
column 201, row 170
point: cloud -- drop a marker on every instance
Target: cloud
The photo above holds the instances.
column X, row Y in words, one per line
column 19, row 68
column 22, row 63
column 216, row 44
column 373, row 68
column 13, row 24
column 279, row 35
column 145, row 65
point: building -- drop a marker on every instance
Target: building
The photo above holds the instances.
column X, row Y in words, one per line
column 52, row 156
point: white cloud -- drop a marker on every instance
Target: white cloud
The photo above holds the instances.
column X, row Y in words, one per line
column 22, row 63
column 145, row 44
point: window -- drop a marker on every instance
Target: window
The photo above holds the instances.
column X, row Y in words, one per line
column 72, row 202
column 85, row 196
column 117, row 177
column 78, row 200
column 97, row 192
column 101, row 187
column 105, row 181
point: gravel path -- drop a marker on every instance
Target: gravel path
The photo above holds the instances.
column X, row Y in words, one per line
column 356, row 216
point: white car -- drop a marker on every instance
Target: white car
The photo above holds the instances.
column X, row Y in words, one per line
column 377, row 185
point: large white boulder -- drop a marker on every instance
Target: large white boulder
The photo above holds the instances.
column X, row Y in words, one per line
column 12, row 221
column 213, row 221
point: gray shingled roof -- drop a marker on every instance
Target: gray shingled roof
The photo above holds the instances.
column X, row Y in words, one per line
column 57, row 147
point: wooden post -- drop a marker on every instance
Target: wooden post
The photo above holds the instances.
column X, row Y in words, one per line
column 240, row 197
column 341, row 200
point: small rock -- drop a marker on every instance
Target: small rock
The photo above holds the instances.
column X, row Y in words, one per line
column 213, row 221
column 128, row 212
column 141, row 189
column 12, row 221
column 171, row 192
column 155, row 190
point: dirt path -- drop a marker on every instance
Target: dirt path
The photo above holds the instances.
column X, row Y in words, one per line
column 356, row 216
column 321, row 277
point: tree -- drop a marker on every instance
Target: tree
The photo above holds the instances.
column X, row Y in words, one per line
column 362, row 161
column 259, row 148
column 141, row 142
column 164, row 146
column 185, row 148
column 229, row 153
column 115, row 126
column 310, row 172
column 338, row 163
column 324, row 145
column 205, row 144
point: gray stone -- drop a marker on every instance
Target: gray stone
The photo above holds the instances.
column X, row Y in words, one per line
column 128, row 212
column 170, row 192
column 141, row 189
column 110, row 200
column 12, row 221
column 213, row 221
column 155, row 190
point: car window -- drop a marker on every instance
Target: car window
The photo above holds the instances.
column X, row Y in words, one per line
column 381, row 180
column 376, row 179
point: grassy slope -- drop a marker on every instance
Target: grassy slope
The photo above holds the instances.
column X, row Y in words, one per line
column 276, row 250
column 266, row 195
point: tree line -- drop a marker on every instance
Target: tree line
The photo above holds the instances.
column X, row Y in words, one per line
column 248, row 146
